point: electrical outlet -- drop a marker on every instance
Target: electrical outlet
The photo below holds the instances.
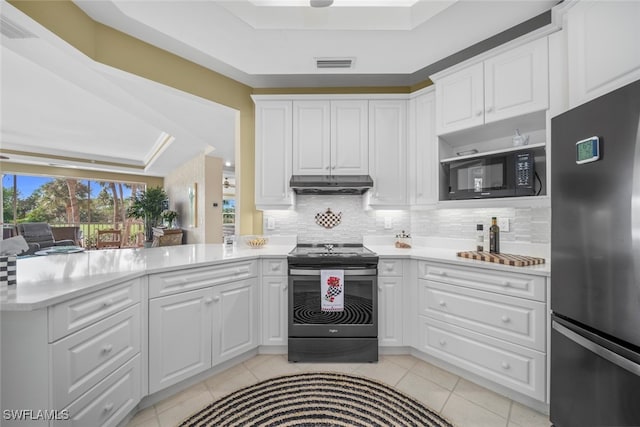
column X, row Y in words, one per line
column 503, row 223
column 388, row 223
column 271, row 223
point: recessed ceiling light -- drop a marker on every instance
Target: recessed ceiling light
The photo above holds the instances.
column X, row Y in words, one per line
column 320, row 3
column 346, row 3
column 227, row 164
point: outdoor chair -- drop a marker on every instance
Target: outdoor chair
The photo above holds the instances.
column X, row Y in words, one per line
column 109, row 239
column 72, row 232
column 39, row 237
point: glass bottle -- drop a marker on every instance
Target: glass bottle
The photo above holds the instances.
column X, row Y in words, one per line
column 479, row 238
column 494, row 236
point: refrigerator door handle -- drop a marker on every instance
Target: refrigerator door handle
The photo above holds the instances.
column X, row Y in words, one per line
column 605, row 353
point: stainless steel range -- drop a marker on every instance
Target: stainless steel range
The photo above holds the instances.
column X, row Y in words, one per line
column 346, row 334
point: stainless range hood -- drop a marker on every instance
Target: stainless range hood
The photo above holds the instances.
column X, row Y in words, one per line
column 330, row 184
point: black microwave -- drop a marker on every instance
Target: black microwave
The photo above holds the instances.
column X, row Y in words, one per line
column 497, row 175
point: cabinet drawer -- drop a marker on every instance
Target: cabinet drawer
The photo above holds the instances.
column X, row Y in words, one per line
column 502, row 282
column 74, row 315
column 110, row 401
column 83, row 359
column 390, row 267
column 183, row 280
column 518, row 368
column 274, row 267
column 515, row 320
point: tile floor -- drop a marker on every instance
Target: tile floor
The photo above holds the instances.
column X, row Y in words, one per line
column 462, row 402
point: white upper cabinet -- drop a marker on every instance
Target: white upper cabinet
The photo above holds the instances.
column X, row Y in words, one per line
column 507, row 85
column 388, row 152
column 330, row 137
column 423, row 152
column 460, row 99
column 603, row 47
column 517, row 82
column 311, row 138
column 273, row 154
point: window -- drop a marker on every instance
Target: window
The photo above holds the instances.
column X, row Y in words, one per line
column 63, row 201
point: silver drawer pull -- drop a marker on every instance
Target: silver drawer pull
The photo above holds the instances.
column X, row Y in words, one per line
column 216, row 298
column 442, row 303
column 275, row 267
column 442, row 342
column 107, row 349
column 285, row 288
column 438, row 273
column 107, row 303
column 108, row 407
column 506, row 284
column 208, row 300
column 505, row 319
column 505, row 365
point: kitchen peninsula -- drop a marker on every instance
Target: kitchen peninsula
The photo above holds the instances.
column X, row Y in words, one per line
column 128, row 327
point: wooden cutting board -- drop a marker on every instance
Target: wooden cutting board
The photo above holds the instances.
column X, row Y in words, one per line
column 506, row 259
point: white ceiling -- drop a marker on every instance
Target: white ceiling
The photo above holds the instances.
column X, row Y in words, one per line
column 57, row 102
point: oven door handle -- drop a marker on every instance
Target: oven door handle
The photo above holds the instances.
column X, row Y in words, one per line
column 316, row 272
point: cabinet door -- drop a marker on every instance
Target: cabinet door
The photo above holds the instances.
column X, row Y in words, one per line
column 423, row 153
column 274, row 310
column 388, row 152
column 517, row 82
column 349, row 138
column 603, row 39
column 235, row 319
column 460, row 100
column 311, row 136
column 273, row 153
column 390, row 311
column 180, row 330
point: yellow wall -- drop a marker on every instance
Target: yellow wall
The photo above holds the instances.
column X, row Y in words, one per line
column 116, row 49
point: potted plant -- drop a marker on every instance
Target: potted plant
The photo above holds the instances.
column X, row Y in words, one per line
column 148, row 205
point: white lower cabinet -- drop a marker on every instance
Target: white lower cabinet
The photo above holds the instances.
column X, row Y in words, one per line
column 180, row 336
column 516, row 367
column 109, row 402
column 488, row 322
column 274, row 286
column 390, row 311
column 235, row 319
column 84, row 358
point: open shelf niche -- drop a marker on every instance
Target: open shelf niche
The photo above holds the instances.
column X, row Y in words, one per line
column 495, row 138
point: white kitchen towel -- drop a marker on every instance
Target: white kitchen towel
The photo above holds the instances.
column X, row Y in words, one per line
column 332, row 290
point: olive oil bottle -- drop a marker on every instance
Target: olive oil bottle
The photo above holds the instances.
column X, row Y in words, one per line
column 494, row 236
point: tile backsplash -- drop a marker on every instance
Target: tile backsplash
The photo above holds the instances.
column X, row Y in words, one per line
column 527, row 224
column 355, row 221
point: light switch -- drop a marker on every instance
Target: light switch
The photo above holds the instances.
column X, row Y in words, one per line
column 388, row 223
column 503, row 223
column 271, row 223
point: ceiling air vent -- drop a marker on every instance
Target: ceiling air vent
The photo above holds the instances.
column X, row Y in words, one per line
column 334, row 62
column 13, row 30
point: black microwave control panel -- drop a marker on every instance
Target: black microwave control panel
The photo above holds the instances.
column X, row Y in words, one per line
column 524, row 170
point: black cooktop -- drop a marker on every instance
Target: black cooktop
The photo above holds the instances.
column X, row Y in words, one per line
column 329, row 253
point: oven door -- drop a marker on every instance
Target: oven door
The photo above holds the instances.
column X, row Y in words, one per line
column 359, row 317
column 481, row 177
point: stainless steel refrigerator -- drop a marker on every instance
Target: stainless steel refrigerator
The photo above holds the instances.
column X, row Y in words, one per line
column 595, row 262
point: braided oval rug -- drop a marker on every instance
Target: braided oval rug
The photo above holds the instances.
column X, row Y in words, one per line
column 317, row 399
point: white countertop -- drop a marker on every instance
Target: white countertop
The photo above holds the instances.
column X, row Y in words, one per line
column 48, row 280
column 449, row 256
